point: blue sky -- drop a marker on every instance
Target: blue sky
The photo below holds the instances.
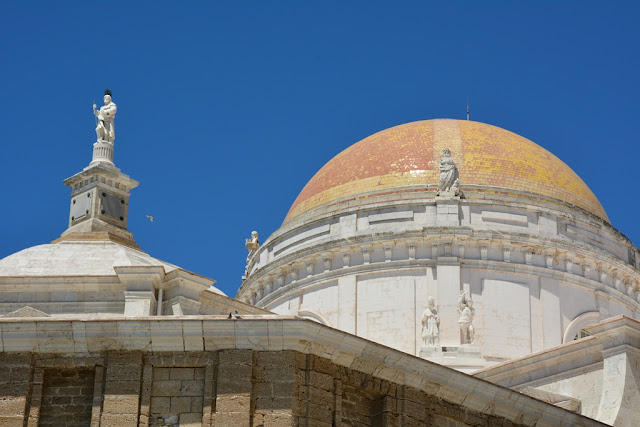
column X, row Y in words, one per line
column 227, row 109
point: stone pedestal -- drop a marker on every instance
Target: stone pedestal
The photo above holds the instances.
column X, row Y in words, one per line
column 465, row 358
column 469, row 352
column 447, row 210
column 431, row 352
column 102, row 152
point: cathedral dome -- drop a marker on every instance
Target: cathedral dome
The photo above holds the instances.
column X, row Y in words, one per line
column 491, row 161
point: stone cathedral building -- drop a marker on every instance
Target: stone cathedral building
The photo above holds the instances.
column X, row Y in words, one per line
column 437, row 273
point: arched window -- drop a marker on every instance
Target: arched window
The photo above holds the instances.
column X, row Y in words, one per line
column 575, row 330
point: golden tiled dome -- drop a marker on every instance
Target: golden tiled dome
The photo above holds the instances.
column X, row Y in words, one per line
column 409, row 154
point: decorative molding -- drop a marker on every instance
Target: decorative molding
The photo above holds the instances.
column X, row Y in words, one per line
column 549, row 252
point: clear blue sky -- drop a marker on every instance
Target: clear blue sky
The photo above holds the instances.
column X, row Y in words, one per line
column 226, row 109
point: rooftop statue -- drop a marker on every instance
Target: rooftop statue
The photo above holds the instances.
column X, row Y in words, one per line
column 449, row 184
column 252, row 245
column 105, row 129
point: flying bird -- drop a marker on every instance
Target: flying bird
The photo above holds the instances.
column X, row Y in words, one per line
column 150, row 218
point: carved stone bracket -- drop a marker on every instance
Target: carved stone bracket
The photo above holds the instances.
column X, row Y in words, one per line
column 268, row 286
column 280, row 279
column 366, row 253
column 506, row 254
column 309, row 265
column 294, row 272
column 447, row 249
column 568, row 266
column 548, row 260
column 411, row 246
column 388, row 251
column 346, row 258
column 326, row 261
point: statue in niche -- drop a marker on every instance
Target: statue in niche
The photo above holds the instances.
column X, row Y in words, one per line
column 104, row 128
column 252, row 246
column 467, row 313
column 431, row 324
column 449, row 183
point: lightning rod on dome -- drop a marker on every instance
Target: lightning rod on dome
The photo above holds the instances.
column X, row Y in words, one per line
column 467, row 108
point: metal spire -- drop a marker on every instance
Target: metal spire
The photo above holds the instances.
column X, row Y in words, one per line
column 467, row 108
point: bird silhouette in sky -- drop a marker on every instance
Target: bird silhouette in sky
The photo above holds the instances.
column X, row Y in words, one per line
column 150, row 217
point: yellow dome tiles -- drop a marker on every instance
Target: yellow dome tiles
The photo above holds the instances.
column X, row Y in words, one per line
column 409, row 154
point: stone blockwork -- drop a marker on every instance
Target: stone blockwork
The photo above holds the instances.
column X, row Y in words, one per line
column 176, row 396
column 67, row 397
column 15, row 386
column 333, row 395
column 222, row 388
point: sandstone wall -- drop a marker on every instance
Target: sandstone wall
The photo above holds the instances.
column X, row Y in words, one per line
column 222, row 388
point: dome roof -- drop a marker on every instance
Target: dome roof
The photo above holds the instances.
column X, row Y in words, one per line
column 409, row 154
column 78, row 258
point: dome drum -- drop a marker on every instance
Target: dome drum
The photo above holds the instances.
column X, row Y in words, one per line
column 421, row 216
column 353, row 280
column 520, row 231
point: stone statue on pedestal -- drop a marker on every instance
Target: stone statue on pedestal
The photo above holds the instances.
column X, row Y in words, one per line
column 449, row 184
column 104, row 128
column 252, row 245
column 467, row 313
column 431, row 324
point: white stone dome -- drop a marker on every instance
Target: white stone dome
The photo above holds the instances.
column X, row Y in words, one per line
column 79, row 259
column 76, row 258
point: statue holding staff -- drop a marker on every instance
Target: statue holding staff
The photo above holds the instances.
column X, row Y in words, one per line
column 105, row 115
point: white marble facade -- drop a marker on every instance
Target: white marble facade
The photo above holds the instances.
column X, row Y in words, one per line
column 537, row 274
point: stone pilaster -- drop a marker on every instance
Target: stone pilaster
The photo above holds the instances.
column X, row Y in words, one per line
column 122, row 390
